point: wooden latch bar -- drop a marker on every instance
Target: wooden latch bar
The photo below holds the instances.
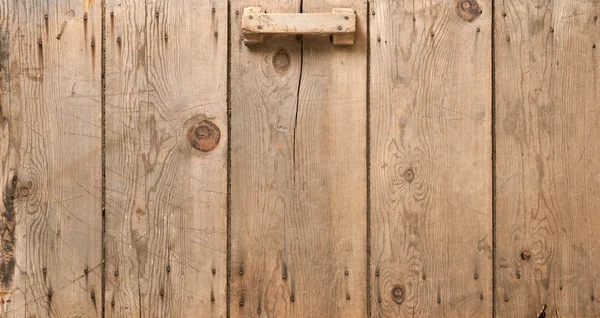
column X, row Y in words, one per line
column 340, row 23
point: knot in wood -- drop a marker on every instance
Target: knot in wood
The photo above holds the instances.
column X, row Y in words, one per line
column 409, row 175
column 525, row 255
column 204, row 136
column 398, row 294
column 281, row 61
column 468, row 10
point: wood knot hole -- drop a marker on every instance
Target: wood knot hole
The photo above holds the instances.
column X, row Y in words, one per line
column 525, row 255
column 281, row 61
column 204, row 136
column 398, row 294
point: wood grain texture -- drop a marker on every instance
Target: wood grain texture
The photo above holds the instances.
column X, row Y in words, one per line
column 298, row 170
column 548, row 150
column 430, row 168
column 50, row 141
column 166, row 162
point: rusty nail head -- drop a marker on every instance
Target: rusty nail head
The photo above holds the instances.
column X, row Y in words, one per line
column 348, row 296
column 46, row 16
column 214, row 271
column 525, row 255
column 85, row 271
column 478, row 29
column 340, row 28
column 168, row 268
column 347, row 17
column 503, row 14
column 116, row 273
column 259, row 27
column 346, row 273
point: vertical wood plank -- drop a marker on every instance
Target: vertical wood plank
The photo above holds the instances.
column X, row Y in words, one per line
column 51, row 160
column 166, row 163
column 298, row 174
column 430, row 167
column 547, row 166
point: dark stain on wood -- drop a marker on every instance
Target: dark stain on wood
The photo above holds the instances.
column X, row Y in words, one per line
column 281, row 61
column 8, row 237
column 41, row 54
column 468, row 10
column 204, row 136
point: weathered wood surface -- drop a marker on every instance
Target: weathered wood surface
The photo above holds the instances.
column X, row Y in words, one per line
column 547, row 158
column 430, row 168
column 298, row 170
column 166, row 162
column 50, row 159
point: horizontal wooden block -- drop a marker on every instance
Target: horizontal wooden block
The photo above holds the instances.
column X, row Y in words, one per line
column 341, row 23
